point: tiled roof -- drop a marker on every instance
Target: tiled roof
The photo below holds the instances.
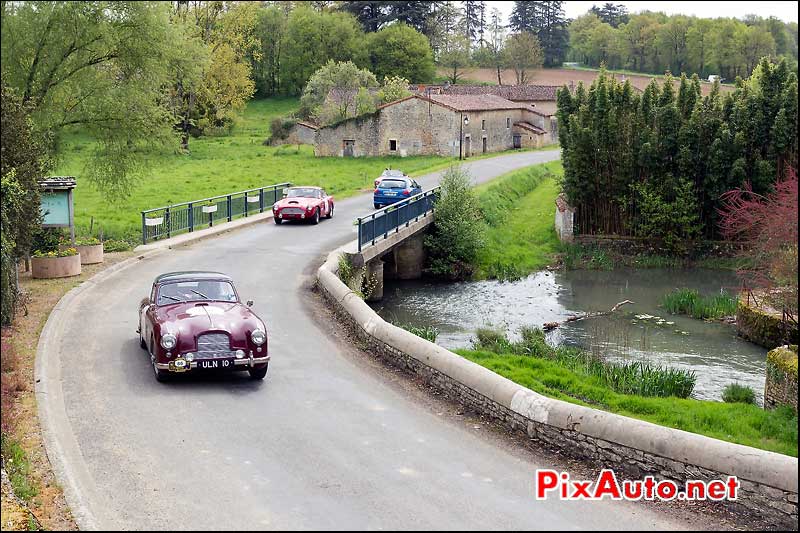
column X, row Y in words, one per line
column 530, row 127
column 518, row 93
column 475, row 102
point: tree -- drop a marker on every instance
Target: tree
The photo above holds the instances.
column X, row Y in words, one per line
column 332, row 92
column 312, row 39
column 394, row 88
column 103, row 66
column 442, row 23
column 522, row 16
column 612, row 14
column 470, row 19
column 524, row 54
column 455, row 57
column 402, row 51
column 458, row 231
column 271, row 30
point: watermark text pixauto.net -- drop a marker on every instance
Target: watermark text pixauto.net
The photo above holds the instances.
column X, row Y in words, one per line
column 554, row 484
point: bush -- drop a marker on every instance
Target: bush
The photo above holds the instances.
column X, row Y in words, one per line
column 736, row 393
column 116, row 246
column 87, row 241
column 669, row 216
column 67, row 252
column 281, row 128
column 458, row 228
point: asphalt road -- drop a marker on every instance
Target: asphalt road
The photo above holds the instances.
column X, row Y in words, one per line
column 322, row 443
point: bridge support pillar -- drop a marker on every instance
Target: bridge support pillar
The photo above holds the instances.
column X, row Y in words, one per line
column 409, row 258
column 374, row 280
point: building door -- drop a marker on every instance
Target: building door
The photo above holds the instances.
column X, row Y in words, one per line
column 484, row 145
column 517, row 140
column 349, row 148
column 467, row 146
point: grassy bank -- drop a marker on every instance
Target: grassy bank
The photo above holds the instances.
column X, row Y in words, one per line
column 598, row 257
column 549, row 372
column 223, row 164
column 519, row 209
column 690, row 302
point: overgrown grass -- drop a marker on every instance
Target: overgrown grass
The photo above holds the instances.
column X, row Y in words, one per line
column 773, row 430
column 18, row 468
column 737, row 393
column 589, row 257
column 690, row 302
column 634, row 377
column 223, row 164
column 429, row 333
column 519, row 209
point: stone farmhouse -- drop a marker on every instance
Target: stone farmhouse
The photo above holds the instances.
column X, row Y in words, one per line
column 439, row 124
column 542, row 97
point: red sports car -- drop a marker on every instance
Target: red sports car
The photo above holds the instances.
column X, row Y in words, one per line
column 194, row 321
column 303, row 203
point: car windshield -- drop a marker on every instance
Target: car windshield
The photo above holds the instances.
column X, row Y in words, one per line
column 189, row 291
column 302, row 192
column 392, row 184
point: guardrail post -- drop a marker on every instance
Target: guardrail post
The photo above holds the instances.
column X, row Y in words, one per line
column 167, row 222
column 191, row 217
column 246, row 196
column 261, row 200
column 230, row 209
column 359, row 235
column 144, row 229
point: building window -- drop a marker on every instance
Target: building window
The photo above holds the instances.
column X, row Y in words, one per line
column 508, row 122
column 392, row 145
column 483, row 124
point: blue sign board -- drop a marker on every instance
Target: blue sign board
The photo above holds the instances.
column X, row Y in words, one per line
column 56, row 208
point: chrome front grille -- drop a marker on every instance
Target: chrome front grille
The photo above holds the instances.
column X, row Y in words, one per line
column 213, row 345
column 292, row 211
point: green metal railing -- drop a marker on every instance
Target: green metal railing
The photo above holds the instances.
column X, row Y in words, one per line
column 379, row 224
column 164, row 222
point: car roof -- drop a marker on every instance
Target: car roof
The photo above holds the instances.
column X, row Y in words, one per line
column 305, row 187
column 191, row 275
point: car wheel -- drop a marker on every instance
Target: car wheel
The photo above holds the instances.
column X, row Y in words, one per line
column 161, row 375
column 330, row 213
column 315, row 220
column 376, row 206
column 278, row 221
column 258, row 373
column 142, row 343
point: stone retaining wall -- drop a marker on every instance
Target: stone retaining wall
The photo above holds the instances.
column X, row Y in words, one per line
column 768, row 480
column 765, row 329
column 781, row 383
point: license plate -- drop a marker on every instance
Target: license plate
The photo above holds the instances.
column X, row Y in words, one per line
column 388, row 193
column 179, row 365
column 216, row 364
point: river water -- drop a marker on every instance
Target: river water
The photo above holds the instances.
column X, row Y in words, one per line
column 711, row 349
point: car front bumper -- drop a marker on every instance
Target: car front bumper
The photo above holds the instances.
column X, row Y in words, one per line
column 238, row 364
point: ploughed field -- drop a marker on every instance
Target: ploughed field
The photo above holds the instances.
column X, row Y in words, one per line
column 562, row 76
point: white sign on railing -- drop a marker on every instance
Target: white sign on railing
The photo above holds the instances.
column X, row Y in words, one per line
column 252, row 199
column 209, row 209
column 154, row 221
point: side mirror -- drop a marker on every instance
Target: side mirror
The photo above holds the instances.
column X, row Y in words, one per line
column 249, row 303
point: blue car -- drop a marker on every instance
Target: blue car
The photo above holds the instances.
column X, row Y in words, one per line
column 391, row 190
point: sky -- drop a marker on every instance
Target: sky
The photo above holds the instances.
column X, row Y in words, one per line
column 786, row 11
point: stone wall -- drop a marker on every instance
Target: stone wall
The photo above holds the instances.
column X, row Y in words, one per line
column 419, row 127
column 565, row 215
column 763, row 328
column 768, row 480
column 781, row 383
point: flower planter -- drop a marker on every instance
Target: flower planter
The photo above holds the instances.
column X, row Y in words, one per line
column 55, row 267
column 90, row 254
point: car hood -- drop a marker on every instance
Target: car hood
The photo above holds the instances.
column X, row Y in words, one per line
column 190, row 319
column 297, row 202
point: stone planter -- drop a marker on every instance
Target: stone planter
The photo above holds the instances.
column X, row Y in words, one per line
column 55, row 267
column 91, row 254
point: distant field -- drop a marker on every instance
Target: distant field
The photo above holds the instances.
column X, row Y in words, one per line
column 562, row 76
column 219, row 165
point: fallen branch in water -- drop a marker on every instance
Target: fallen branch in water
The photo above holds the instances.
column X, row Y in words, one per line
column 548, row 326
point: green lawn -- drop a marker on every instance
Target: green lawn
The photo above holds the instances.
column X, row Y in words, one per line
column 220, row 165
column 750, row 425
column 519, row 208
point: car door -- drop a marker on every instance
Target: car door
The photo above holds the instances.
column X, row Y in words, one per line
column 417, row 188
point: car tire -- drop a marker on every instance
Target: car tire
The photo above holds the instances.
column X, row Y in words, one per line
column 330, row 212
column 161, row 375
column 376, row 206
column 258, row 373
column 315, row 219
column 142, row 343
column 278, row 221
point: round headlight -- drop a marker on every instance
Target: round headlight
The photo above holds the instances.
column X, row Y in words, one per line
column 239, row 354
column 190, row 357
column 258, row 337
column 168, row 341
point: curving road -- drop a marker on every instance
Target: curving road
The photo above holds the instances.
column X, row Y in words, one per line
column 322, row 443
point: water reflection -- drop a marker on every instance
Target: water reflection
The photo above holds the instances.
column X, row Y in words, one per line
column 711, row 349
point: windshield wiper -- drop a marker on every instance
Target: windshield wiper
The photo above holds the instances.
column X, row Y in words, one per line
column 171, row 298
column 200, row 293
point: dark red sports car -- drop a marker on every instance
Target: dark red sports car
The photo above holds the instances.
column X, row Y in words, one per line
column 303, row 203
column 194, row 321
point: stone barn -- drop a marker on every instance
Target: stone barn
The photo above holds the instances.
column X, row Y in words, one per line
column 437, row 124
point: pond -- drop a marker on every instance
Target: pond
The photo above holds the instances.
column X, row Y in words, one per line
column 711, row 349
